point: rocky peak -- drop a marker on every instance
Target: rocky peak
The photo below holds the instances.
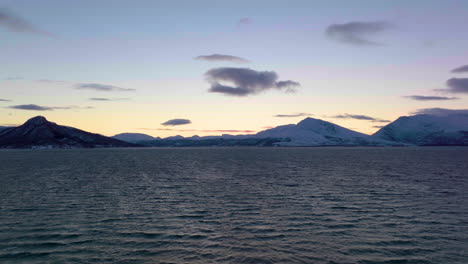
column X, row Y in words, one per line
column 37, row 121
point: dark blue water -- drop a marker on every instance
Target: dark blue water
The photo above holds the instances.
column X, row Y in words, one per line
column 235, row 205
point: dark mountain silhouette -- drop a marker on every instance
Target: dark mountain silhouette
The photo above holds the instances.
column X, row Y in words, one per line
column 37, row 132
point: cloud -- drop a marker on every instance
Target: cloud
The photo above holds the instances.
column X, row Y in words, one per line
column 360, row 117
column 457, row 85
column 14, row 78
column 246, row 81
column 176, row 122
column 430, row 98
column 14, row 23
column 107, row 99
column 49, row 81
column 460, row 69
column 101, row 87
column 4, row 100
column 221, row 57
column 356, row 33
column 288, row 85
column 378, row 126
column 440, row 111
column 202, row 130
column 34, row 107
column 245, row 21
column 293, row 115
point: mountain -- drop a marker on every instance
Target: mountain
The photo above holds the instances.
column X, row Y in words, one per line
column 427, row 130
column 37, row 132
column 134, row 137
column 316, row 132
column 4, row 127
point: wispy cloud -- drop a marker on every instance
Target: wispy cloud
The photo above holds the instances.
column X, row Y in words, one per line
column 15, row 23
column 360, row 117
column 246, row 81
column 430, row 98
column 49, row 81
column 378, row 126
column 14, row 78
column 107, row 99
column 293, row 115
column 440, row 111
column 222, row 57
column 34, row 107
column 101, row 87
column 460, row 69
column 356, row 32
column 245, row 21
column 4, row 100
column 176, row 122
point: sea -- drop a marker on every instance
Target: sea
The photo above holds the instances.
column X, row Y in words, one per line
column 333, row 205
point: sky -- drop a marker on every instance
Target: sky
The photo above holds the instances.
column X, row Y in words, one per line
column 203, row 67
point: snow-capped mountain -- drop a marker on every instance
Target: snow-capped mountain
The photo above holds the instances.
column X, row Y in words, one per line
column 316, row 132
column 133, row 137
column 427, row 130
column 37, row 132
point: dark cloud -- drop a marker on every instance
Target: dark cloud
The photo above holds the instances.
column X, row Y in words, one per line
column 360, row 117
column 5, row 100
column 245, row 21
column 14, row 23
column 457, row 85
column 460, row 69
column 176, row 122
column 221, row 57
column 34, row 107
column 293, row 115
column 430, row 98
column 107, row 99
column 102, row 87
column 288, row 85
column 356, row 33
column 246, row 81
column 440, row 111
column 378, row 126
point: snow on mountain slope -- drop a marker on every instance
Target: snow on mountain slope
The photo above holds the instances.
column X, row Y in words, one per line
column 427, row 130
column 316, row 132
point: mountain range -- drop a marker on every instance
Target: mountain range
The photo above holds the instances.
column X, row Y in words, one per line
column 37, row 132
column 419, row 130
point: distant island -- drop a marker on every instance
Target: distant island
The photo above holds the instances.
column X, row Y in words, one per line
column 416, row 130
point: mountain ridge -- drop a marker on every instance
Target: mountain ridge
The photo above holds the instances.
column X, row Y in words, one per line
column 38, row 132
column 427, row 130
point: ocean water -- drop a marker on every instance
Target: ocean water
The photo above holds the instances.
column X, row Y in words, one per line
column 235, row 205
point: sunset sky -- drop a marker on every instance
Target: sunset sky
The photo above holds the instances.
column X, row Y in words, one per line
column 229, row 66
